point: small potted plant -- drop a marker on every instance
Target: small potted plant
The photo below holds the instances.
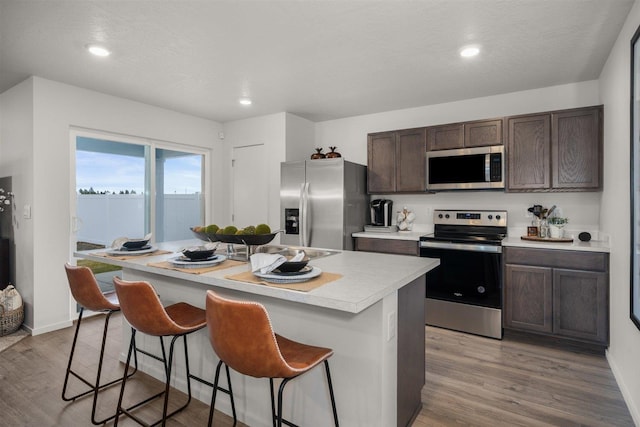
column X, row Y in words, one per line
column 556, row 225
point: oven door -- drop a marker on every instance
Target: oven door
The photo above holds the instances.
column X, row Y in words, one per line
column 467, row 274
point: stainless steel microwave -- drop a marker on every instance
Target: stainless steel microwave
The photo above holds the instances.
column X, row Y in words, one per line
column 479, row 168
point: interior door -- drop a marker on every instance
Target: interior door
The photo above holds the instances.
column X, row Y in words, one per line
column 250, row 186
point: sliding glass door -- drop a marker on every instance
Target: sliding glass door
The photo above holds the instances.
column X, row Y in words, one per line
column 128, row 187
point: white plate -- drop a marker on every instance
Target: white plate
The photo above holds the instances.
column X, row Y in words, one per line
column 126, row 252
column 184, row 262
column 280, row 278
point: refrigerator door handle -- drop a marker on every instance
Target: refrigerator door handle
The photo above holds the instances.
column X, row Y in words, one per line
column 301, row 222
column 304, row 236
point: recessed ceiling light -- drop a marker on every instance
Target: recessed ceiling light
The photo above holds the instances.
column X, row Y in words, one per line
column 245, row 101
column 98, row 50
column 469, row 51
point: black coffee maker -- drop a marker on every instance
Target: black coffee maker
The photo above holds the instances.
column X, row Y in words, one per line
column 381, row 210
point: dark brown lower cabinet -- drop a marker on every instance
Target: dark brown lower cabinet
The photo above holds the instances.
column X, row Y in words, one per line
column 557, row 292
column 387, row 246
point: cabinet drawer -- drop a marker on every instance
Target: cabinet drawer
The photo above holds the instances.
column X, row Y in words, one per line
column 588, row 261
column 388, row 246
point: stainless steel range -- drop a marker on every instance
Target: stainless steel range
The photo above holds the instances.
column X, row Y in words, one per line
column 464, row 292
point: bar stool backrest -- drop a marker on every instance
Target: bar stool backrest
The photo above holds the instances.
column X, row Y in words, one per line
column 242, row 336
column 143, row 309
column 85, row 289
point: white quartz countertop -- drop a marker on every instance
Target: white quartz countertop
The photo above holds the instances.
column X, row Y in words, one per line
column 366, row 277
column 512, row 240
column 576, row 245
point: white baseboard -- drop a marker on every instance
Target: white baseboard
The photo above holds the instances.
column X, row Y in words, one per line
column 635, row 414
column 49, row 328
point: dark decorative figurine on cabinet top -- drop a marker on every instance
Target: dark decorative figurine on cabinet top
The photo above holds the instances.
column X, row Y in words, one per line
column 333, row 154
column 318, row 155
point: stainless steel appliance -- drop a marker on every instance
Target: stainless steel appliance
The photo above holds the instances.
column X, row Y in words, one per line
column 464, row 292
column 323, row 202
column 466, row 169
column 381, row 212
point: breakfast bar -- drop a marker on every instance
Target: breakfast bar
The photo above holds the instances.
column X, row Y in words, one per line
column 369, row 310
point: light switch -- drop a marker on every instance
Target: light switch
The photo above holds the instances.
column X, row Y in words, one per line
column 26, row 211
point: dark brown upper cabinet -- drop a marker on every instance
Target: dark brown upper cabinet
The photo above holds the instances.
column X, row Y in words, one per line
column 396, row 161
column 465, row 135
column 576, row 149
column 445, row 137
column 482, row 133
column 529, row 152
column 555, row 151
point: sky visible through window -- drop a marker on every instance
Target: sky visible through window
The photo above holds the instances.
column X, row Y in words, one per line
column 115, row 173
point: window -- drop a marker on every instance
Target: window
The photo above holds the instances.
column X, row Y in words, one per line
column 131, row 187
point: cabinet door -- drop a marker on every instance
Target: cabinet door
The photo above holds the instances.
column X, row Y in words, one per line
column 528, row 145
column 381, row 162
column 482, row 133
column 445, row 137
column 387, row 246
column 528, row 298
column 581, row 305
column 411, row 153
column 576, row 149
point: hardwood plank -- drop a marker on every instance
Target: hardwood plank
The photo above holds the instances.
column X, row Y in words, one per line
column 470, row 381
column 32, row 373
column 517, row 381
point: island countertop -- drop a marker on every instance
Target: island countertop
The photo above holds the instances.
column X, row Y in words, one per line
column 366, row 277
column 372, row 317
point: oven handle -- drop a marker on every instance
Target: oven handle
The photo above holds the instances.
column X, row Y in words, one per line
column 461, row 246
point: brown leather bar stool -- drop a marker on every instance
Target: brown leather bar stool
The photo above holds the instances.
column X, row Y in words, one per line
column 241, row 335
column 144, row 311
column 87, row 293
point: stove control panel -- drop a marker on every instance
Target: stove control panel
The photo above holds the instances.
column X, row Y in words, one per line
column 460, row 217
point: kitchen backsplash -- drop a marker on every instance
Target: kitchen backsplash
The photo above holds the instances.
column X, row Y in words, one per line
column 582, row 209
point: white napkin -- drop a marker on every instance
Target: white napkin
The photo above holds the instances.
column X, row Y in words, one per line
column 266, row 263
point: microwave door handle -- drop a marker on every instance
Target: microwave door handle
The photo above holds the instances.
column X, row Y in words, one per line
column 487, row 167
column 426, row 173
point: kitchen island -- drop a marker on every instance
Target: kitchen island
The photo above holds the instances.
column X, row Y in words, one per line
column 372, row 316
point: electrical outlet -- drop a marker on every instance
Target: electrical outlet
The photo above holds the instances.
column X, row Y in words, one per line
column 391, row 325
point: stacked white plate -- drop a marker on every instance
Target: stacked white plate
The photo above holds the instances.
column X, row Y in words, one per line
column 123, row 251
column 184, row 262
column 303, row 275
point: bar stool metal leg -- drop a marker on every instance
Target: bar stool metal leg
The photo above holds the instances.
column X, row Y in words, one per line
column 217, row 388
column 278, row 420
column 96, row 386
column 168, row 365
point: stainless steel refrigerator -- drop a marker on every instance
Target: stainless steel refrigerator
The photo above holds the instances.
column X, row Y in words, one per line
column 322, row 202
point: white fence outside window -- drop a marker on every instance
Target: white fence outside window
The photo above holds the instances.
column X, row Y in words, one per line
column 105, row 217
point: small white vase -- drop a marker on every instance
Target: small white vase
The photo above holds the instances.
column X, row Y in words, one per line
column 556, row 232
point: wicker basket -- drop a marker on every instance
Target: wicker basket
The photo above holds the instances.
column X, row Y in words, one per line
column 11, row 320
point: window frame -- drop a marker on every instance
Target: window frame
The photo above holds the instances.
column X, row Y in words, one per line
column 634, row 291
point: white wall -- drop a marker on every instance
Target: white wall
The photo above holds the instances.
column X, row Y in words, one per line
column 300, row 142
column 16, row 160
column 350, row 135
column 624, row 349
column 269, row 131
column 56, row 108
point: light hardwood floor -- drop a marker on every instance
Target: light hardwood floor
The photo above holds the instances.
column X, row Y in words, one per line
column 472, row 381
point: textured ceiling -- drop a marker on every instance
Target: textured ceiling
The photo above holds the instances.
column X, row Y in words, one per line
column 318, row 59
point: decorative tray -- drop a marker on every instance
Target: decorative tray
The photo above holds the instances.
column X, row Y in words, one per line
column 548, row 239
